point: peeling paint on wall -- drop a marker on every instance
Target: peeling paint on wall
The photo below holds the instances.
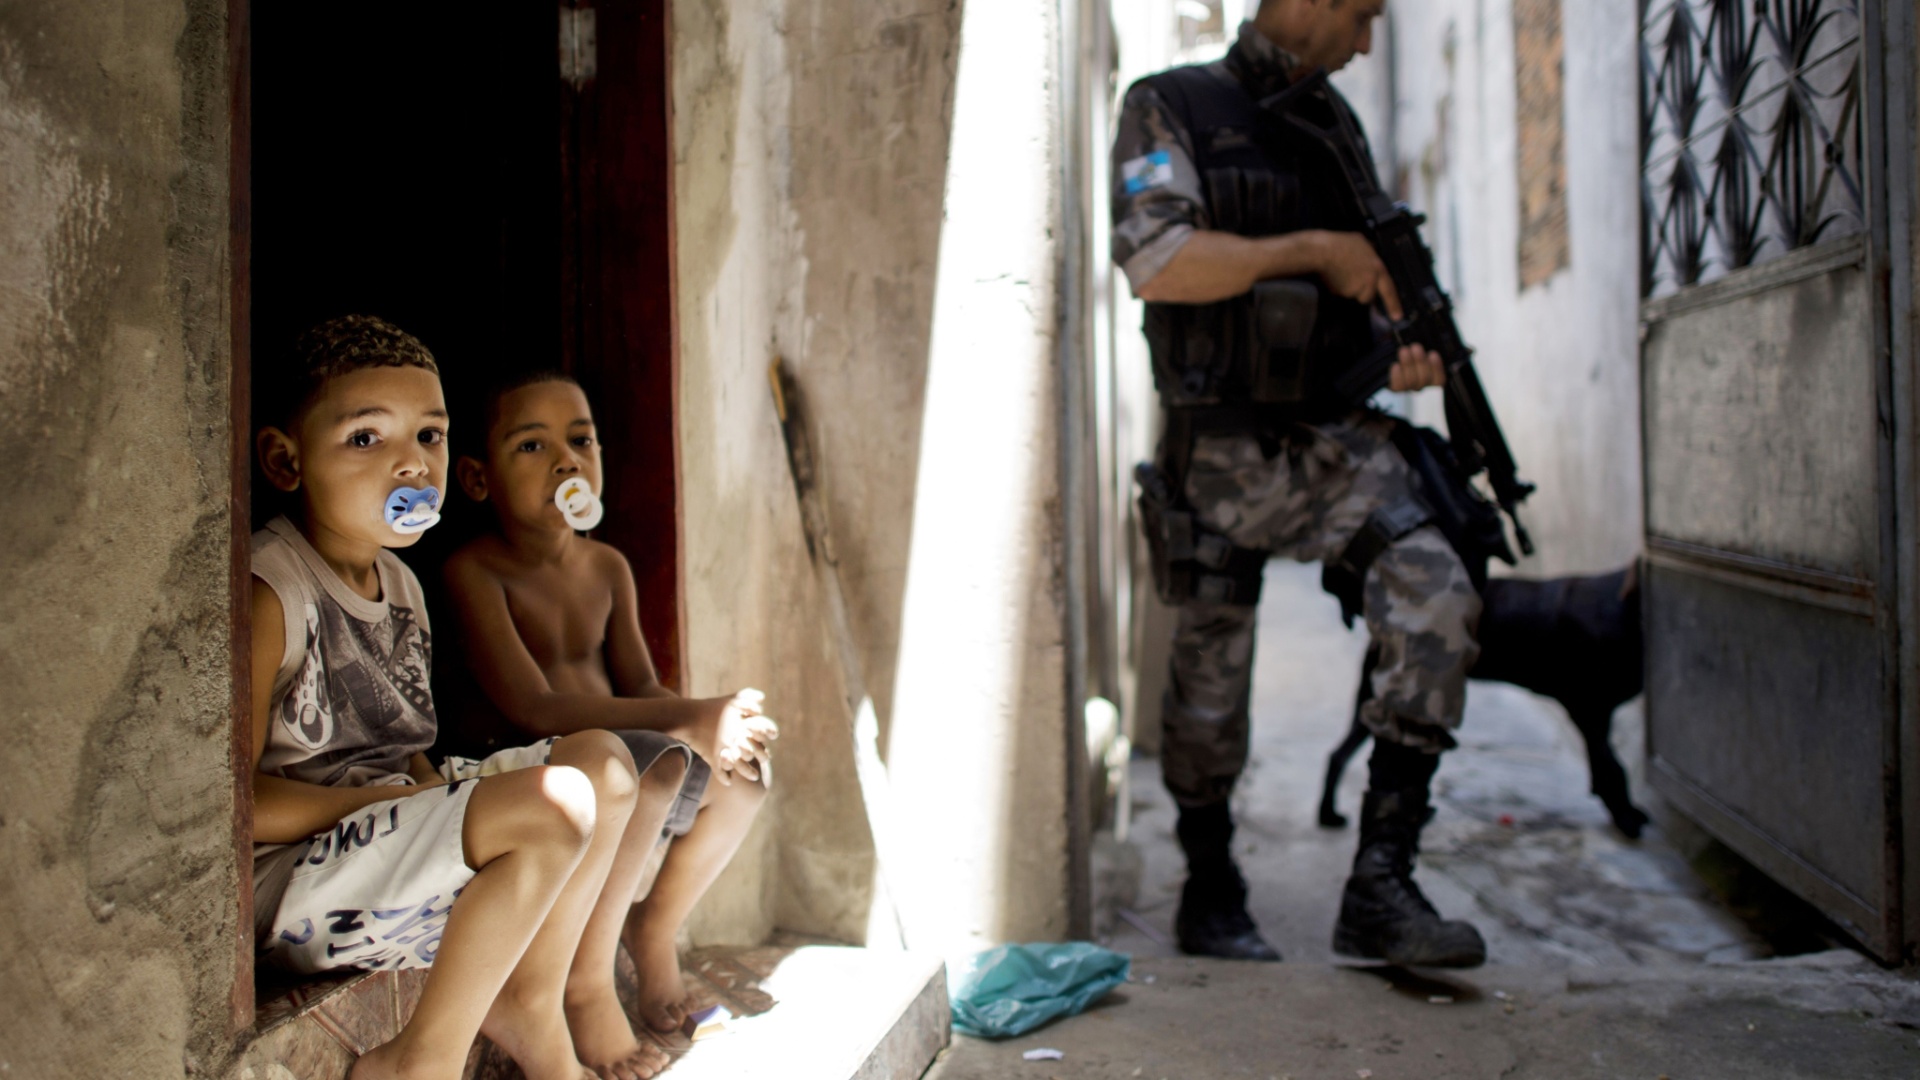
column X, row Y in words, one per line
column 1559, row 359
column 813, row 165
column 1540, row 132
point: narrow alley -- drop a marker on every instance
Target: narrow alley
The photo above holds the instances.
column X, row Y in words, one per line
column 1608, row 957
column 928, row 369
column 1518, row 847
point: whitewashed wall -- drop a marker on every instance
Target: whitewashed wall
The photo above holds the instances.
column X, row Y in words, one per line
column 873, row 192
column 1559, row 360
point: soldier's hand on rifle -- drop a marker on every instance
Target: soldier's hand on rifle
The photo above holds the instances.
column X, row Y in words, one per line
column 1352, row 269
column 1417, row 369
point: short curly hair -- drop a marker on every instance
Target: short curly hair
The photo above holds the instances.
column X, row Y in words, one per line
column 495, row 390
column 334, row 348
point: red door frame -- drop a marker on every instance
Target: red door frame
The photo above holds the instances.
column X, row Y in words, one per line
column 626, row 342
column 240, row 489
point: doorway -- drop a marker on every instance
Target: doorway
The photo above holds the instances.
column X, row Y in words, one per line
column 489, row 184
column 496, row 180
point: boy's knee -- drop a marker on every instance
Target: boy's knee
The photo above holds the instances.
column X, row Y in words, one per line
column 664, row 778
column 743, row 793
column 564, row 805
column 752, row 792
column 604, row 758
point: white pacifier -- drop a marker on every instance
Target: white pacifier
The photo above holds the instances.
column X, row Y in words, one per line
column 578, row 504
column 413, row 510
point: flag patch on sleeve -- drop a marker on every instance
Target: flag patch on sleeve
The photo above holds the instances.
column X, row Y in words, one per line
column 1145, row 173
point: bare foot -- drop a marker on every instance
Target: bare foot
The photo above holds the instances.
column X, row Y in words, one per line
column 385, row 1063
column 535, row 1036
column 663, row 998
column 404, row 1060
column 604, row 1039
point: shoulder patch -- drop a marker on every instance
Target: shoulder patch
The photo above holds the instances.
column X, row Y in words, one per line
column 1148, row 172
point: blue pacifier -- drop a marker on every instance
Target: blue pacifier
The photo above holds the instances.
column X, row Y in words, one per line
column 578, row 504
column 413, row 510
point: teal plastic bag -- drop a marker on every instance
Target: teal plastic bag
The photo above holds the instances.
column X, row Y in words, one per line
column 1013, row 989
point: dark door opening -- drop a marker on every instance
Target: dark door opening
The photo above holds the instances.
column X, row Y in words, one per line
column 496, row 181
column 408, row 164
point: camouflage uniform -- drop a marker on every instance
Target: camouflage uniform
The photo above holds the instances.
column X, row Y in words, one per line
column 1303, row 499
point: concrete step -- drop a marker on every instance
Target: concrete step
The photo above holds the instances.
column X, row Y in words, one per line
column 841, row 1014
column 805, row 1012
column 1831, row 1016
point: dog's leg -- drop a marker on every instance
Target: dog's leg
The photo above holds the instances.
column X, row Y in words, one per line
column 1609, row 778
column 1357, row 735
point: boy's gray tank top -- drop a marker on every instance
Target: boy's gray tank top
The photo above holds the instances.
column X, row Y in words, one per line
column 350, row 703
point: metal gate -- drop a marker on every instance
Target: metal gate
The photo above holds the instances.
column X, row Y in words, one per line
column 1773, row 438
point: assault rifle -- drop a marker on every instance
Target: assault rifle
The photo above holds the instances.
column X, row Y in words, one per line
column 1394, row 230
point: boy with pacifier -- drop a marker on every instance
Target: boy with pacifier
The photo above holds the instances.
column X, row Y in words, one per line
column 550, row 627
column 509, row 877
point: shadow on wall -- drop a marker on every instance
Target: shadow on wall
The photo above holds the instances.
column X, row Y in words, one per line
column 870, row 128
column 869, row 123
column 977, row 748
column 811, row 164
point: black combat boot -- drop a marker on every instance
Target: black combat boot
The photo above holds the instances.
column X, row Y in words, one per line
column 1383, row 914
column 1213, row 919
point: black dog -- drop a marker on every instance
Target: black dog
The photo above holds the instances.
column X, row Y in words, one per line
column 1576, row 640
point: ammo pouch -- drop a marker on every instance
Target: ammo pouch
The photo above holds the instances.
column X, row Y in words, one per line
column 1251, row 348
column 1441, row 496
column 1189, row 560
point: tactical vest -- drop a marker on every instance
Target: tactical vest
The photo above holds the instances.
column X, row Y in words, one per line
column 1274, row 346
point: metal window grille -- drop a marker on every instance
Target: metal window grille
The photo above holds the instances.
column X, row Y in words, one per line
column 1750, row 133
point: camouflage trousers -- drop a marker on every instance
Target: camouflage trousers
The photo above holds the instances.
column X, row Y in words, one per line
column 1306, row 503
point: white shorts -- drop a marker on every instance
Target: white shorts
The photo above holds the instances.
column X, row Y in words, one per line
column 374, row 891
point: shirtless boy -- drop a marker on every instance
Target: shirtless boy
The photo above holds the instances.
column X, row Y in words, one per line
column 550, row 626
column 512, row 888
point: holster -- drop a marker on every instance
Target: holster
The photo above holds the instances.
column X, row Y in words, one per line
column 1442, row 497
column 1189, row 560
column 1345, row 575
column 1469, row 520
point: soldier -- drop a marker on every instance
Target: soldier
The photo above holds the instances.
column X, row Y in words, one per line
column 1256, row 285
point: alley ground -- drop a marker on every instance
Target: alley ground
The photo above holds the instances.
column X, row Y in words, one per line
column 1608, row 957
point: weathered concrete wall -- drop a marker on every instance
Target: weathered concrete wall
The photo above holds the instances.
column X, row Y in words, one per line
column 811, row 153
column 978, row 748
column 119, row 879
column 748, row 582
column 1559, row 360
column 823, row 217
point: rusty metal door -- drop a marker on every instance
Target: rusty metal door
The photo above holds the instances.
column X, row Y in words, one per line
column 1769, row 422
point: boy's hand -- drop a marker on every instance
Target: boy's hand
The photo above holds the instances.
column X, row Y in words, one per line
column 742, row 735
